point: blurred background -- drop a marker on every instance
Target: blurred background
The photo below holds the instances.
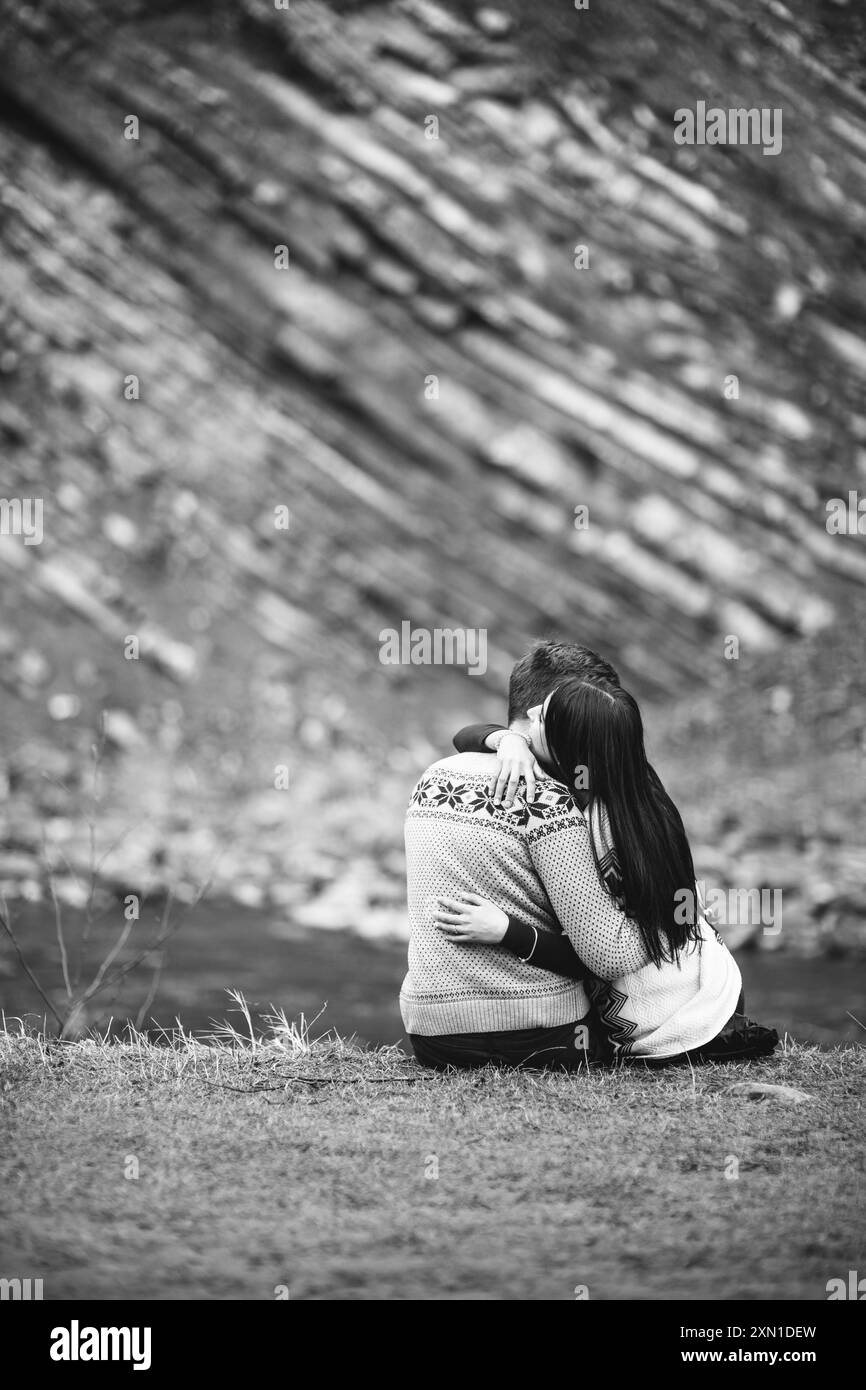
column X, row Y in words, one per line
column 429, row 388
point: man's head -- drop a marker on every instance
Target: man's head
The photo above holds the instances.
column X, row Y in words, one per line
column 547, row 663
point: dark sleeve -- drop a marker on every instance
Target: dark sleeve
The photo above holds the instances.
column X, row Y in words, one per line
column 553, row 952
column 471, row 739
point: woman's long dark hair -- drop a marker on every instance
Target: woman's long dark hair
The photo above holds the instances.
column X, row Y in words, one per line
column 597, row 726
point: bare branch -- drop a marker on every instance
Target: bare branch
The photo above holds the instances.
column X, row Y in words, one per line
column 58, row 917
column 151, row 994
column 4, row 922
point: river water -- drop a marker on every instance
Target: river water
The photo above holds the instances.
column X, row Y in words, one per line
column 219, row 945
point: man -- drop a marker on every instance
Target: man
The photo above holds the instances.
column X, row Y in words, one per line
column 467, row 1008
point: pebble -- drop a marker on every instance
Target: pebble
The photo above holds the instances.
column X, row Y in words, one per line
column 764, row 1090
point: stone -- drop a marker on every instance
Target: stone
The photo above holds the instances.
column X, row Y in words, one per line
column 765, row 1090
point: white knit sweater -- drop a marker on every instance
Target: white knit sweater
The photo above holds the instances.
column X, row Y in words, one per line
column 536, row 863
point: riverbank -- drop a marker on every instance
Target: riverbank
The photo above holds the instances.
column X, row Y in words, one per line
column 766, row 768
column 351, row 982
column 324, row 1171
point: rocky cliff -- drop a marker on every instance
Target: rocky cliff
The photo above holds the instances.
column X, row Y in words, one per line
column 435, row 285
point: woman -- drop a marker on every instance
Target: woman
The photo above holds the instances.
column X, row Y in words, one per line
column 686, row 1001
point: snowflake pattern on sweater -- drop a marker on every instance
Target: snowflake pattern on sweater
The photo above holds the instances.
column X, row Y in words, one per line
column 547, row 863
column 457, row 794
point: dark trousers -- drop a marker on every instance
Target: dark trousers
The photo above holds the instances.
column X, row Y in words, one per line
column 582, row 1044
column 566, row 1048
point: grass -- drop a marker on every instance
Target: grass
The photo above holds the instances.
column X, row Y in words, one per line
column 267, row 1160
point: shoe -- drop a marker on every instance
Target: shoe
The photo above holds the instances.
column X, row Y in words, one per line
column 740, row 1039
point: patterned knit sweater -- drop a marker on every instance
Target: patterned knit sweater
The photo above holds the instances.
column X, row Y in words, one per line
column 536, row 863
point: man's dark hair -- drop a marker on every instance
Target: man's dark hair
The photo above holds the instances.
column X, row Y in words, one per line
column 545, row 665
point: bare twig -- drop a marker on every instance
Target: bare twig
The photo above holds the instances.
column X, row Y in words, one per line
column 318, row 1081
column 104, row 978
column 127, row 830
column 58, row 918
column 151, row 993
column 6, row 925
column 96, row 982
column 97, row 752
column 165, row 931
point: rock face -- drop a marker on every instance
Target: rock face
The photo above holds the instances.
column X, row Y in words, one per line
column 320, row 318
column 411, row 258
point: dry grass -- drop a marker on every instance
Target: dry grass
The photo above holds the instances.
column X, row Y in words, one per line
column 269, row 1159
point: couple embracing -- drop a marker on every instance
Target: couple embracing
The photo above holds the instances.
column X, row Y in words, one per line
column 554, row 916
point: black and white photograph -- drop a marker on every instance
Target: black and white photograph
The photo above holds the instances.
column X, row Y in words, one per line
column 432, row 672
